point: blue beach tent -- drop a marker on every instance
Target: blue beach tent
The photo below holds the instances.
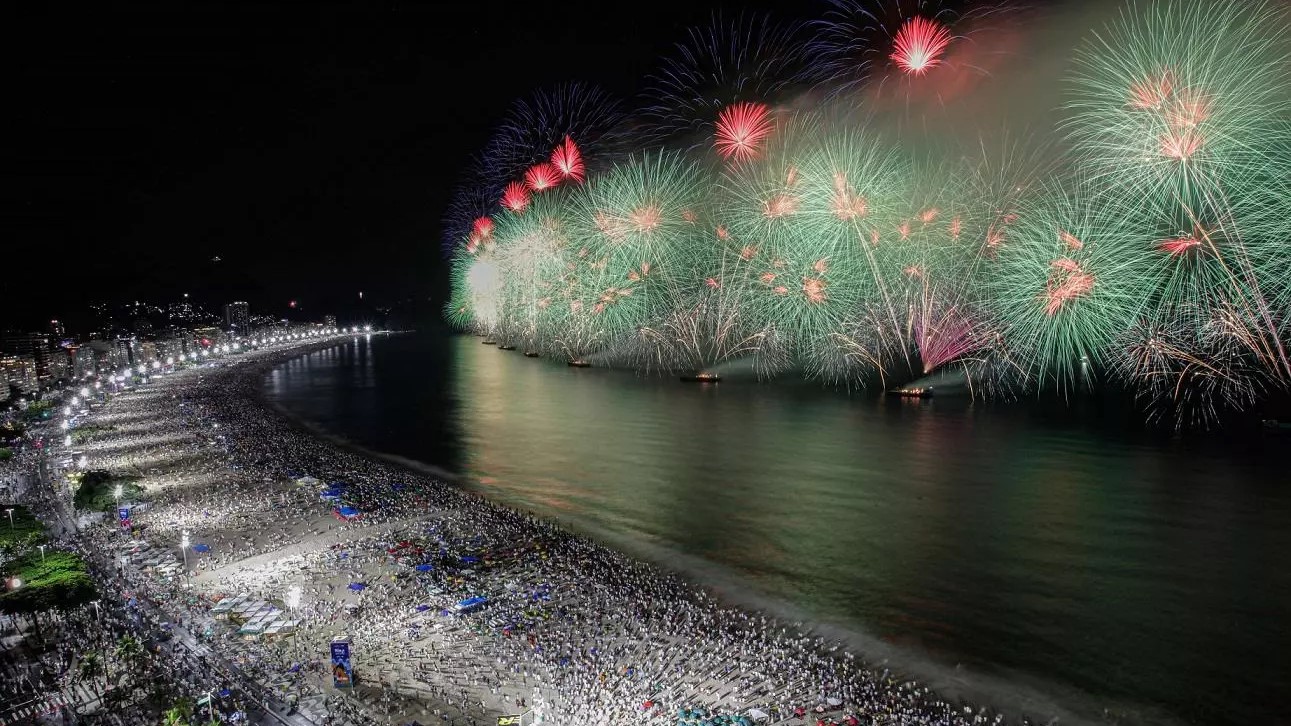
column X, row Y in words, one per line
column 470, row 603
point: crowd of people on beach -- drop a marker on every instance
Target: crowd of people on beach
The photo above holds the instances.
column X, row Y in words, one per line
column 457, row 610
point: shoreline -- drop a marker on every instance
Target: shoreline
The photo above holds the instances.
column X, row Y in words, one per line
column 657, row 595
column 1016, row 694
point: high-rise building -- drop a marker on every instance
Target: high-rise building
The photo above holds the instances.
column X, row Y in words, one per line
column 82, row 360
column 123, row 353
column 236, row 317
column 60, row 365
column 35, row 345
column 56, row 329
column 20, row 371
column 329, row 321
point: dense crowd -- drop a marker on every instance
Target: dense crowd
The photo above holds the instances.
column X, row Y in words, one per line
column 569, row 630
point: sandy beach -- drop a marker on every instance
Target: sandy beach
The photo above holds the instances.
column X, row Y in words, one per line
column 570, row 631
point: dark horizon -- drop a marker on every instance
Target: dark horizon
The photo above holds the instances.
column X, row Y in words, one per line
column 271, row 153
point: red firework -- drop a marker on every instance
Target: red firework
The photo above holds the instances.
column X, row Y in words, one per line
column 515, row 197
column 542, row 176
column 780, row 205
column 1180, row 245
column 919, row 45
column 813, row 288
column 568, row 161
column 646, row 219
column 741, row 130
column 1180, row 145
column 1067, row 281
column 1072, row 241
column 847, row 205
column 1151, row 91
column 482, row 228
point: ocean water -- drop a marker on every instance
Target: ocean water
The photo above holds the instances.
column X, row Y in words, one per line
column 1050, row 559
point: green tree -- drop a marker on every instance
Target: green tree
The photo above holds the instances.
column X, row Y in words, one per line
column 96, row 490
column 25, row 532
column 90, row 668
column 12, row 430
column 179, row 713
column 130, row 653
column 52, row 580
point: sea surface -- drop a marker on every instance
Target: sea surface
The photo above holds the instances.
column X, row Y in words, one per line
column 1042, row 555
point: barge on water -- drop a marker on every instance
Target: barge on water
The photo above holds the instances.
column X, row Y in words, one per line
column 701, row 377
column 925, row 392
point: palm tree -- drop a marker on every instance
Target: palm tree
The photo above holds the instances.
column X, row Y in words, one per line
column 91, row 667
column 130, row 652
column 178, row 714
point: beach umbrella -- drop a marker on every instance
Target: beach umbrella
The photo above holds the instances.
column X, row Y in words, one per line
column 423, row 568
column 201, row 548
column 357, row 586
column 422, row 608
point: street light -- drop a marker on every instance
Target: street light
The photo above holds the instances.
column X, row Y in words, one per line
column 97, row 613
column 183, row 546
column 42, row 552
column 9, row 511
column 117, row 493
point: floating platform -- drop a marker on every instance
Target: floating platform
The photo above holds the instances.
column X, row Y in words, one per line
column 701, row 377
column 911, row 392
column 530, row 354
column 506, row 347
column 579, row 364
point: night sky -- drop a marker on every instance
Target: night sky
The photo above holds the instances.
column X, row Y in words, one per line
column 312, row 147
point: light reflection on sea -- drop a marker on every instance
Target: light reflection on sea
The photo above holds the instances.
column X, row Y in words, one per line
column 1013, row 539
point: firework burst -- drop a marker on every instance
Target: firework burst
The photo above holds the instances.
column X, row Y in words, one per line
column 1182, row 100
column 919, row 45
column 742, row 130
column 749, row 59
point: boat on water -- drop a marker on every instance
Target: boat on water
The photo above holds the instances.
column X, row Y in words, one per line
column 701, row 377
column 506, row 347
column 488, row 342
column 531, row 354
column 911, row 392
column 579, row 364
